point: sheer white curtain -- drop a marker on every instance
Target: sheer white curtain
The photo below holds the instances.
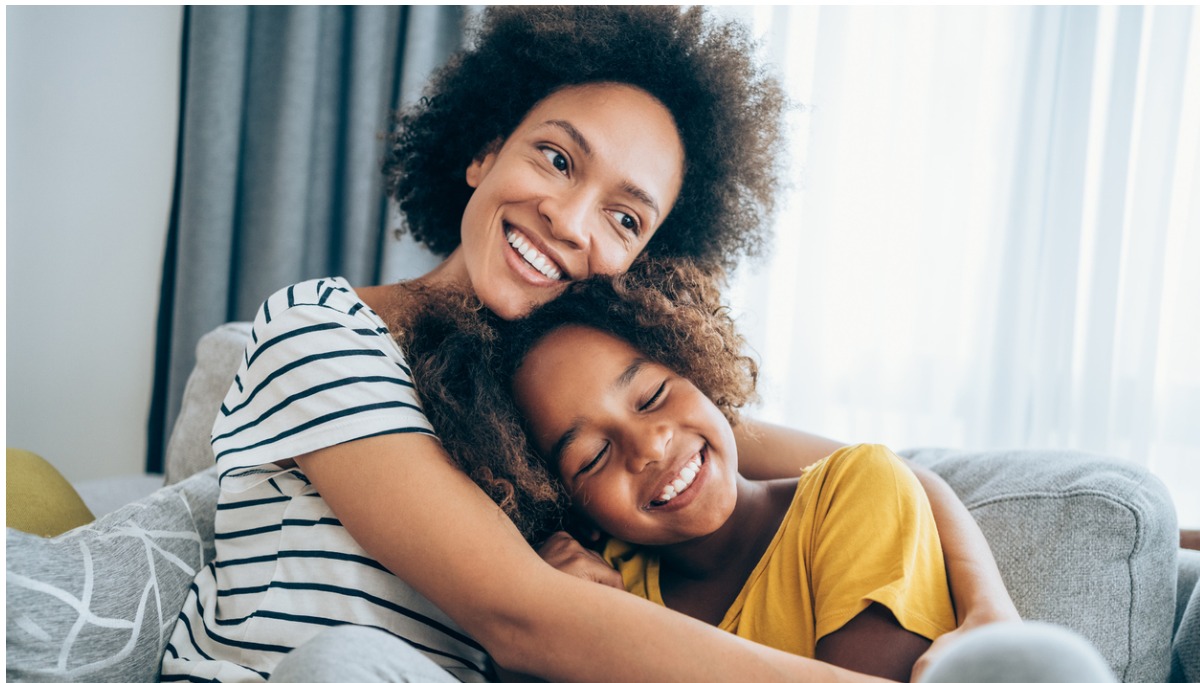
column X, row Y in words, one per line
column 994, row 239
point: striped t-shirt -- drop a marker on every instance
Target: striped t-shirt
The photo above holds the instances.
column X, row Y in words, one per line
column 321, row 369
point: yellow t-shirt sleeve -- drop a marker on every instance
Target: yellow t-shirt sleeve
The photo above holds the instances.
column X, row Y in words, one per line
column 873, row 539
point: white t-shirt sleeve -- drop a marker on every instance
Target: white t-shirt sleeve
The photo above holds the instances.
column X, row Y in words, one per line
column 321, row 370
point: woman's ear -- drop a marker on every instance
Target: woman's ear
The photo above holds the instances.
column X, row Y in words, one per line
column 482, row 164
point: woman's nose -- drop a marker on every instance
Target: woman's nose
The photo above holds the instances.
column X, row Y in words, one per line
column 570, row 217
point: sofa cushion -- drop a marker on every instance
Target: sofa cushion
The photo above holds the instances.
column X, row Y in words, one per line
column 99, row 602
column 218, row 355
column 1082, row 541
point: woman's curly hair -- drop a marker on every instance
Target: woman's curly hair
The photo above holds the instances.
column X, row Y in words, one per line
column 726, row 107
column 463, row 359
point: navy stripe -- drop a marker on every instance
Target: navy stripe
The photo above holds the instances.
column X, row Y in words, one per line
column 271, row 481
column 321, row 327
column 237, row 379
column 253, row 335
column 310, row 554
column 412, row 614
column 267, row 310
column 217, row 638
column 188, row 625
column 322, row 621
column 186, row 677
column 328, row 521
column 298, row 363
column 349, row 592
column 309, row 392
column 324, row 296
column 252, row 503
column 291, row 296
column 330, row 417
column 355, row 308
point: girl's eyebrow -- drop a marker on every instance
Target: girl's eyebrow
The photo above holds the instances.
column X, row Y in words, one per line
column 570, row 435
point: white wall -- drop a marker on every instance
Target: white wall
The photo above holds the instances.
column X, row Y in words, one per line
column 93, row 102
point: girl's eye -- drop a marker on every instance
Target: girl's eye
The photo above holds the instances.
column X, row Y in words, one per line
column 654, row 399
column 556, row 159
column 595, row 461
column 628, row 222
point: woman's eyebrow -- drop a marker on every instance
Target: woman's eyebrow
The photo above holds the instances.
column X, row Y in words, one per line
column 627, row 187
column 573, row 133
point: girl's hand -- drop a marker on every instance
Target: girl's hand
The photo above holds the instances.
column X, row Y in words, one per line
column 565, row 554
column 946, row 641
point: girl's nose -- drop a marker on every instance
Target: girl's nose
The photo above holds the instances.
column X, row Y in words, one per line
column 649, row 445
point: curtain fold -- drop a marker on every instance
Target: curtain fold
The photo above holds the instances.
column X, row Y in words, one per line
column 284, row 115
column 990, row 240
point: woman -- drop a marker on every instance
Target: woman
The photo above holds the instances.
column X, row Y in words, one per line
column 566, row 143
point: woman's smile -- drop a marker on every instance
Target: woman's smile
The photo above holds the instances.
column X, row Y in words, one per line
column 577, row 189
column 525, row 255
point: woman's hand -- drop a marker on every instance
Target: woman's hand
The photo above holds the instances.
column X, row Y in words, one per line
column 565, row 554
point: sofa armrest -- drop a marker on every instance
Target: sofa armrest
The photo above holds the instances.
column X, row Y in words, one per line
column 1082, row 541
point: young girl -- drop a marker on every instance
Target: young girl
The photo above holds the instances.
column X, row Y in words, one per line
column 613, row 383
column 564, row 143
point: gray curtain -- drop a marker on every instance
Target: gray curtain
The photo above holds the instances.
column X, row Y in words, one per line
column 283, row 115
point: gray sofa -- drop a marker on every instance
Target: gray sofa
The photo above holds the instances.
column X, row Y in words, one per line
column 1082, row 541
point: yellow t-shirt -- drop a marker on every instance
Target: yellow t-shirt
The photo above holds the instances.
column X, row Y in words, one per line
column 860, row 530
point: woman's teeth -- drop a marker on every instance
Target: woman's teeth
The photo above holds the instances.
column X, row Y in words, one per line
column 682, row 480
column 534, row 257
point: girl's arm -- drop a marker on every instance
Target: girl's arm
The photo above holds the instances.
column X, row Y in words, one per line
column 767, row 451
column 874, row 643
column 409, row 507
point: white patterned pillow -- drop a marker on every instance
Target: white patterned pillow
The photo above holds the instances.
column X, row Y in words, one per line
column 99, row 602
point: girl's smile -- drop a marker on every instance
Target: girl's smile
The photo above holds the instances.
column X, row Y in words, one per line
column 641, row 450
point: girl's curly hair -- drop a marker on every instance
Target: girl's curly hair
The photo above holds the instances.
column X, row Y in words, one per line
column 727, row 110
column 463, row 359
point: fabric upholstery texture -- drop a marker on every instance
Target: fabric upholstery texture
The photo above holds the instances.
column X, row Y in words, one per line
column 38, row 499
column 1083, row 541
column 98, row 603
column 217, row 357
column 1185, row 650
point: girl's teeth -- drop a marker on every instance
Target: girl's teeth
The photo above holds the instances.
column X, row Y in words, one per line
column 685, row 478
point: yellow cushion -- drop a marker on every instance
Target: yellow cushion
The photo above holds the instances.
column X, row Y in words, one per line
column 40, row 500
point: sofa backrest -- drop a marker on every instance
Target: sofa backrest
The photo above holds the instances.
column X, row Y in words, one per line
column 218, row 355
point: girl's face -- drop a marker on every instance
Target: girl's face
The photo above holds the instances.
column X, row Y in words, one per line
column 579, row 188
column 644, row 454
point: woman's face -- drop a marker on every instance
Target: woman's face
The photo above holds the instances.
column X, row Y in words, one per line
column 579, row 188
column 644, row 453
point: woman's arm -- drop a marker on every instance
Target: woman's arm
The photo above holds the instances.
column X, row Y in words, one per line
column 408, row 506
column 771, row 451
column 767, row 451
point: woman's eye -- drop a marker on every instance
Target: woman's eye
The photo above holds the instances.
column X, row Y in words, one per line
column 627, row 221
column 654, row 399
column 595, row 461
column 556, row 159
